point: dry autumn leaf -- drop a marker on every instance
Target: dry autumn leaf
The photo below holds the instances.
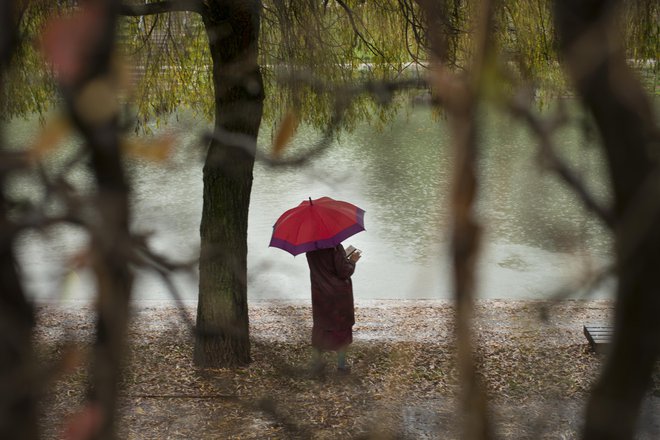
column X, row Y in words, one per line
column 97, row 102
column 286, row 131
column 84, row 424
column 67, row 41
column 157, row 150
column 72, row 358
column 49, row 137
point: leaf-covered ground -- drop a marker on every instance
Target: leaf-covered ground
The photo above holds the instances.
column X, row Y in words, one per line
column 531, row 356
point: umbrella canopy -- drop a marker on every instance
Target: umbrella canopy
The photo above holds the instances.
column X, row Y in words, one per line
column 316, row 224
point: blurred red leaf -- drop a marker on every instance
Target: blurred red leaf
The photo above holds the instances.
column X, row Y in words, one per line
column 67, row 42
column 84, row 424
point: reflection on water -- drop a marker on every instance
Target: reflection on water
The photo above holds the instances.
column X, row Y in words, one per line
column 537, row 238
column 525, row 204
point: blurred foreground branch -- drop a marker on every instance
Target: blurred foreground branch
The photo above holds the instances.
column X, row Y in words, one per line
column 83, row 84
column 544, row 129
column 18, row 385
column 461, row 96
column 623, row 114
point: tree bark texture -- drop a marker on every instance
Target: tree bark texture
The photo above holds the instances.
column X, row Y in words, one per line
column 18, row 399
column 623, row 114
column 222, row 336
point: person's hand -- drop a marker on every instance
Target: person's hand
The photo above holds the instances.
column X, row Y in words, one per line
column 355, row 256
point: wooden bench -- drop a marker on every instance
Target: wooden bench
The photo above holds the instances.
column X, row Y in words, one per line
column 599, row 336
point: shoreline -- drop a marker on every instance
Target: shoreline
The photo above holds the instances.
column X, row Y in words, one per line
column 301, row 301
column 556, row 322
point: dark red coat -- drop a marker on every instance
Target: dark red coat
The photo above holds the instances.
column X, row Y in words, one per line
column 332, row 298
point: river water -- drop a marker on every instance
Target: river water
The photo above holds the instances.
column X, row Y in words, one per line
column 537, row 239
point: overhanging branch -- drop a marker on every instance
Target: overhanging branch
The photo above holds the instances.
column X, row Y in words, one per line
column 136, row 10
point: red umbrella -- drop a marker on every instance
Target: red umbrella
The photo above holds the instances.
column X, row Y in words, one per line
column 316, row 224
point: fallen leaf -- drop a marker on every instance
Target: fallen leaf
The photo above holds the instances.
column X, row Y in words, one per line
column 49, row 137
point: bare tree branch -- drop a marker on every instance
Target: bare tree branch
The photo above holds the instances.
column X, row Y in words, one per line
column 165, row 268
column 381, row 91
column 461, row 96
column 544, row 129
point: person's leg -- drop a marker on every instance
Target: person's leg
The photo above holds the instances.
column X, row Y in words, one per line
column 341, row 358
column 317, row 360
column 317, row 355
column 342, row 365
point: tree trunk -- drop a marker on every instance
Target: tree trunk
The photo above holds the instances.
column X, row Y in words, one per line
column 18, row 414
column 18, row 407
column 624, row 118
column 18, row 411
column 222, row 337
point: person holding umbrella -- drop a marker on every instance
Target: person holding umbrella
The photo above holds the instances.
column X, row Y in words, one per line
column 317, row 227
column 333, row 310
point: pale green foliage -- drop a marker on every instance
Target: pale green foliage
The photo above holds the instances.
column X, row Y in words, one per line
column 305, row 39
column 641, row 21
column 526, row 37
column 168, row 59
column 168, row 54
column 28, row 87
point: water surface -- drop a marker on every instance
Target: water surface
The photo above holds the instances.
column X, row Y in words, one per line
column 537, row 237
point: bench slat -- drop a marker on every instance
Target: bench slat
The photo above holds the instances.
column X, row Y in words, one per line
column 599, row 337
